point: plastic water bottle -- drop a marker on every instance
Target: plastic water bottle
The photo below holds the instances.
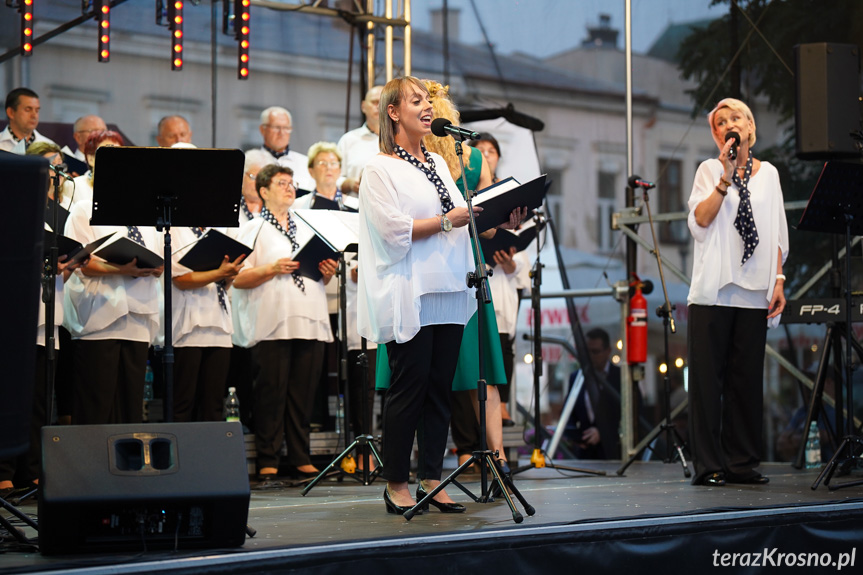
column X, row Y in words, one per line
column 813, row 447
column 148, row 382
column 148, row 392
column 340, row 413
column 232, row 405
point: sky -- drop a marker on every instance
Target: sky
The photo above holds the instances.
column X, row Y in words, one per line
column 545, row 27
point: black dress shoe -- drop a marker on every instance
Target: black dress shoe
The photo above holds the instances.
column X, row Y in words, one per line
column 714, row 479
column 397, row 509
column 757, row 480
column 443, row 507
column 297, row 474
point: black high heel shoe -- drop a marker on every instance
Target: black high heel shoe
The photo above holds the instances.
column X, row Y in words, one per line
column 396, row 509
column 443, row 507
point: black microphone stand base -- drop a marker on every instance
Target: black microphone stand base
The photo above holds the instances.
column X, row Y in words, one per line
column 501, row 484
column 366, row 477
column 851, row 443
column 11, row 529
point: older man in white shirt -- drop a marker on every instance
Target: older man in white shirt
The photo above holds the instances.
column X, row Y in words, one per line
column 276, row 127
column 359, row 145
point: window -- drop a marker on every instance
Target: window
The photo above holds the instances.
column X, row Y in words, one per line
column 605, row 205
column 670, row 194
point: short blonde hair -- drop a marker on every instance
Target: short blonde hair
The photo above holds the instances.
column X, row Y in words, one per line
column 737, row 106
column 321, row 147
column 392, row 95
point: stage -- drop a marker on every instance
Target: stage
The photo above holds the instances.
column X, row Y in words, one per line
column 651, row 519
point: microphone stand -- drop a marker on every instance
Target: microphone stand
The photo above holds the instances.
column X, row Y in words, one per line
column 486, row 459
column 673, row 440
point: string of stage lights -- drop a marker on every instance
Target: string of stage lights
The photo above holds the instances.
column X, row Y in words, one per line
column 236, row 16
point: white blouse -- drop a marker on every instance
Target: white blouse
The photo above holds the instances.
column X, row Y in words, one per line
column 197, row 316
column 112, row 306
column 405, row 284
column 504, row 294
column 718, row 278
column 277, row 309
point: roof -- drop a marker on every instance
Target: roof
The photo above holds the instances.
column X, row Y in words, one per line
column 667, row 46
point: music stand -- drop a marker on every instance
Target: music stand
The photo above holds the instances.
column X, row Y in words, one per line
column 836, row 207
column 198, row 189
column 339, row 230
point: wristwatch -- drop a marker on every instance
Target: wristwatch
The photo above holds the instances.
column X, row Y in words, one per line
column 445, row 224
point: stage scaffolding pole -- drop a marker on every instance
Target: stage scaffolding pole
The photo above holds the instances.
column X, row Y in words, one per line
column 627, row 428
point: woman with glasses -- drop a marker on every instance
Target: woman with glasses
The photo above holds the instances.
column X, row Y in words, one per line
column 325, row 167
column 282, row 317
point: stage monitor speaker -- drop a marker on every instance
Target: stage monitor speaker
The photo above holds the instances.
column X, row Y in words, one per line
column 143, row 486
column 827, row 106
column 22, row 220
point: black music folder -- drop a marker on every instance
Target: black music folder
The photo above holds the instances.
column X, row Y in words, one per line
column 124, row 250
column 506, row 239
column 500, row 199
column 62, row 214
column 73, row 249
column 209, row 251
column 334, row 232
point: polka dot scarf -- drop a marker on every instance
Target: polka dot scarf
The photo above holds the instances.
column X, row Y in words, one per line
column 744, row 223
column 431, row 174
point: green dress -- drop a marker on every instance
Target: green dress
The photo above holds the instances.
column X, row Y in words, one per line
column 467, row 370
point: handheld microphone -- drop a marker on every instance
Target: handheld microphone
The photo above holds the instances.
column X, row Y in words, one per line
column 637, row 182
column 732, row 152
column 59, row 172
column 442, row 128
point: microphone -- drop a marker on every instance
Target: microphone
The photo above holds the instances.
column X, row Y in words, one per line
column 59, row 172
column 442, row 128
column 732, row 152
column 637, row 182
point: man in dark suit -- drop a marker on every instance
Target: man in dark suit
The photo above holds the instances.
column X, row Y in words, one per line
column 595, row 420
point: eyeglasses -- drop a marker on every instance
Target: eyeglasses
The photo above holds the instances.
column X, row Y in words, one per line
column 283, row 184
column 333, row 164
column 251, row 176
column 88, row 131
column 282, row 129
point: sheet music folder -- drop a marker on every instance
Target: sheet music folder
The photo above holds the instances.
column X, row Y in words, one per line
column 206, row 183
column 505, row 239
column 500, row 199
column 839, row 191
column 73, row 249
column 123, row 250
column 334, row 232
column 209, row 252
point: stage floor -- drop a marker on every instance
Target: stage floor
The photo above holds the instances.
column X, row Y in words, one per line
column 347, row 517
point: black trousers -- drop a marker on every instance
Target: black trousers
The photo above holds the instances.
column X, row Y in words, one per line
column 200, row 374
column 240, row 377
column 356, row 377
column 24, row 469
column 418, row 401
column 287, row 373
column 463, row 424
column 109, row 382
column 726, row 380
column 506, row 346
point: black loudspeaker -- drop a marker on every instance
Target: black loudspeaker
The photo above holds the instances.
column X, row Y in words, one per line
column 143, row 486
column 22, row 219
column 828, row 100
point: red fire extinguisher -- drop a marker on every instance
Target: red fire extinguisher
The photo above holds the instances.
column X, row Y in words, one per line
column 636, row 325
